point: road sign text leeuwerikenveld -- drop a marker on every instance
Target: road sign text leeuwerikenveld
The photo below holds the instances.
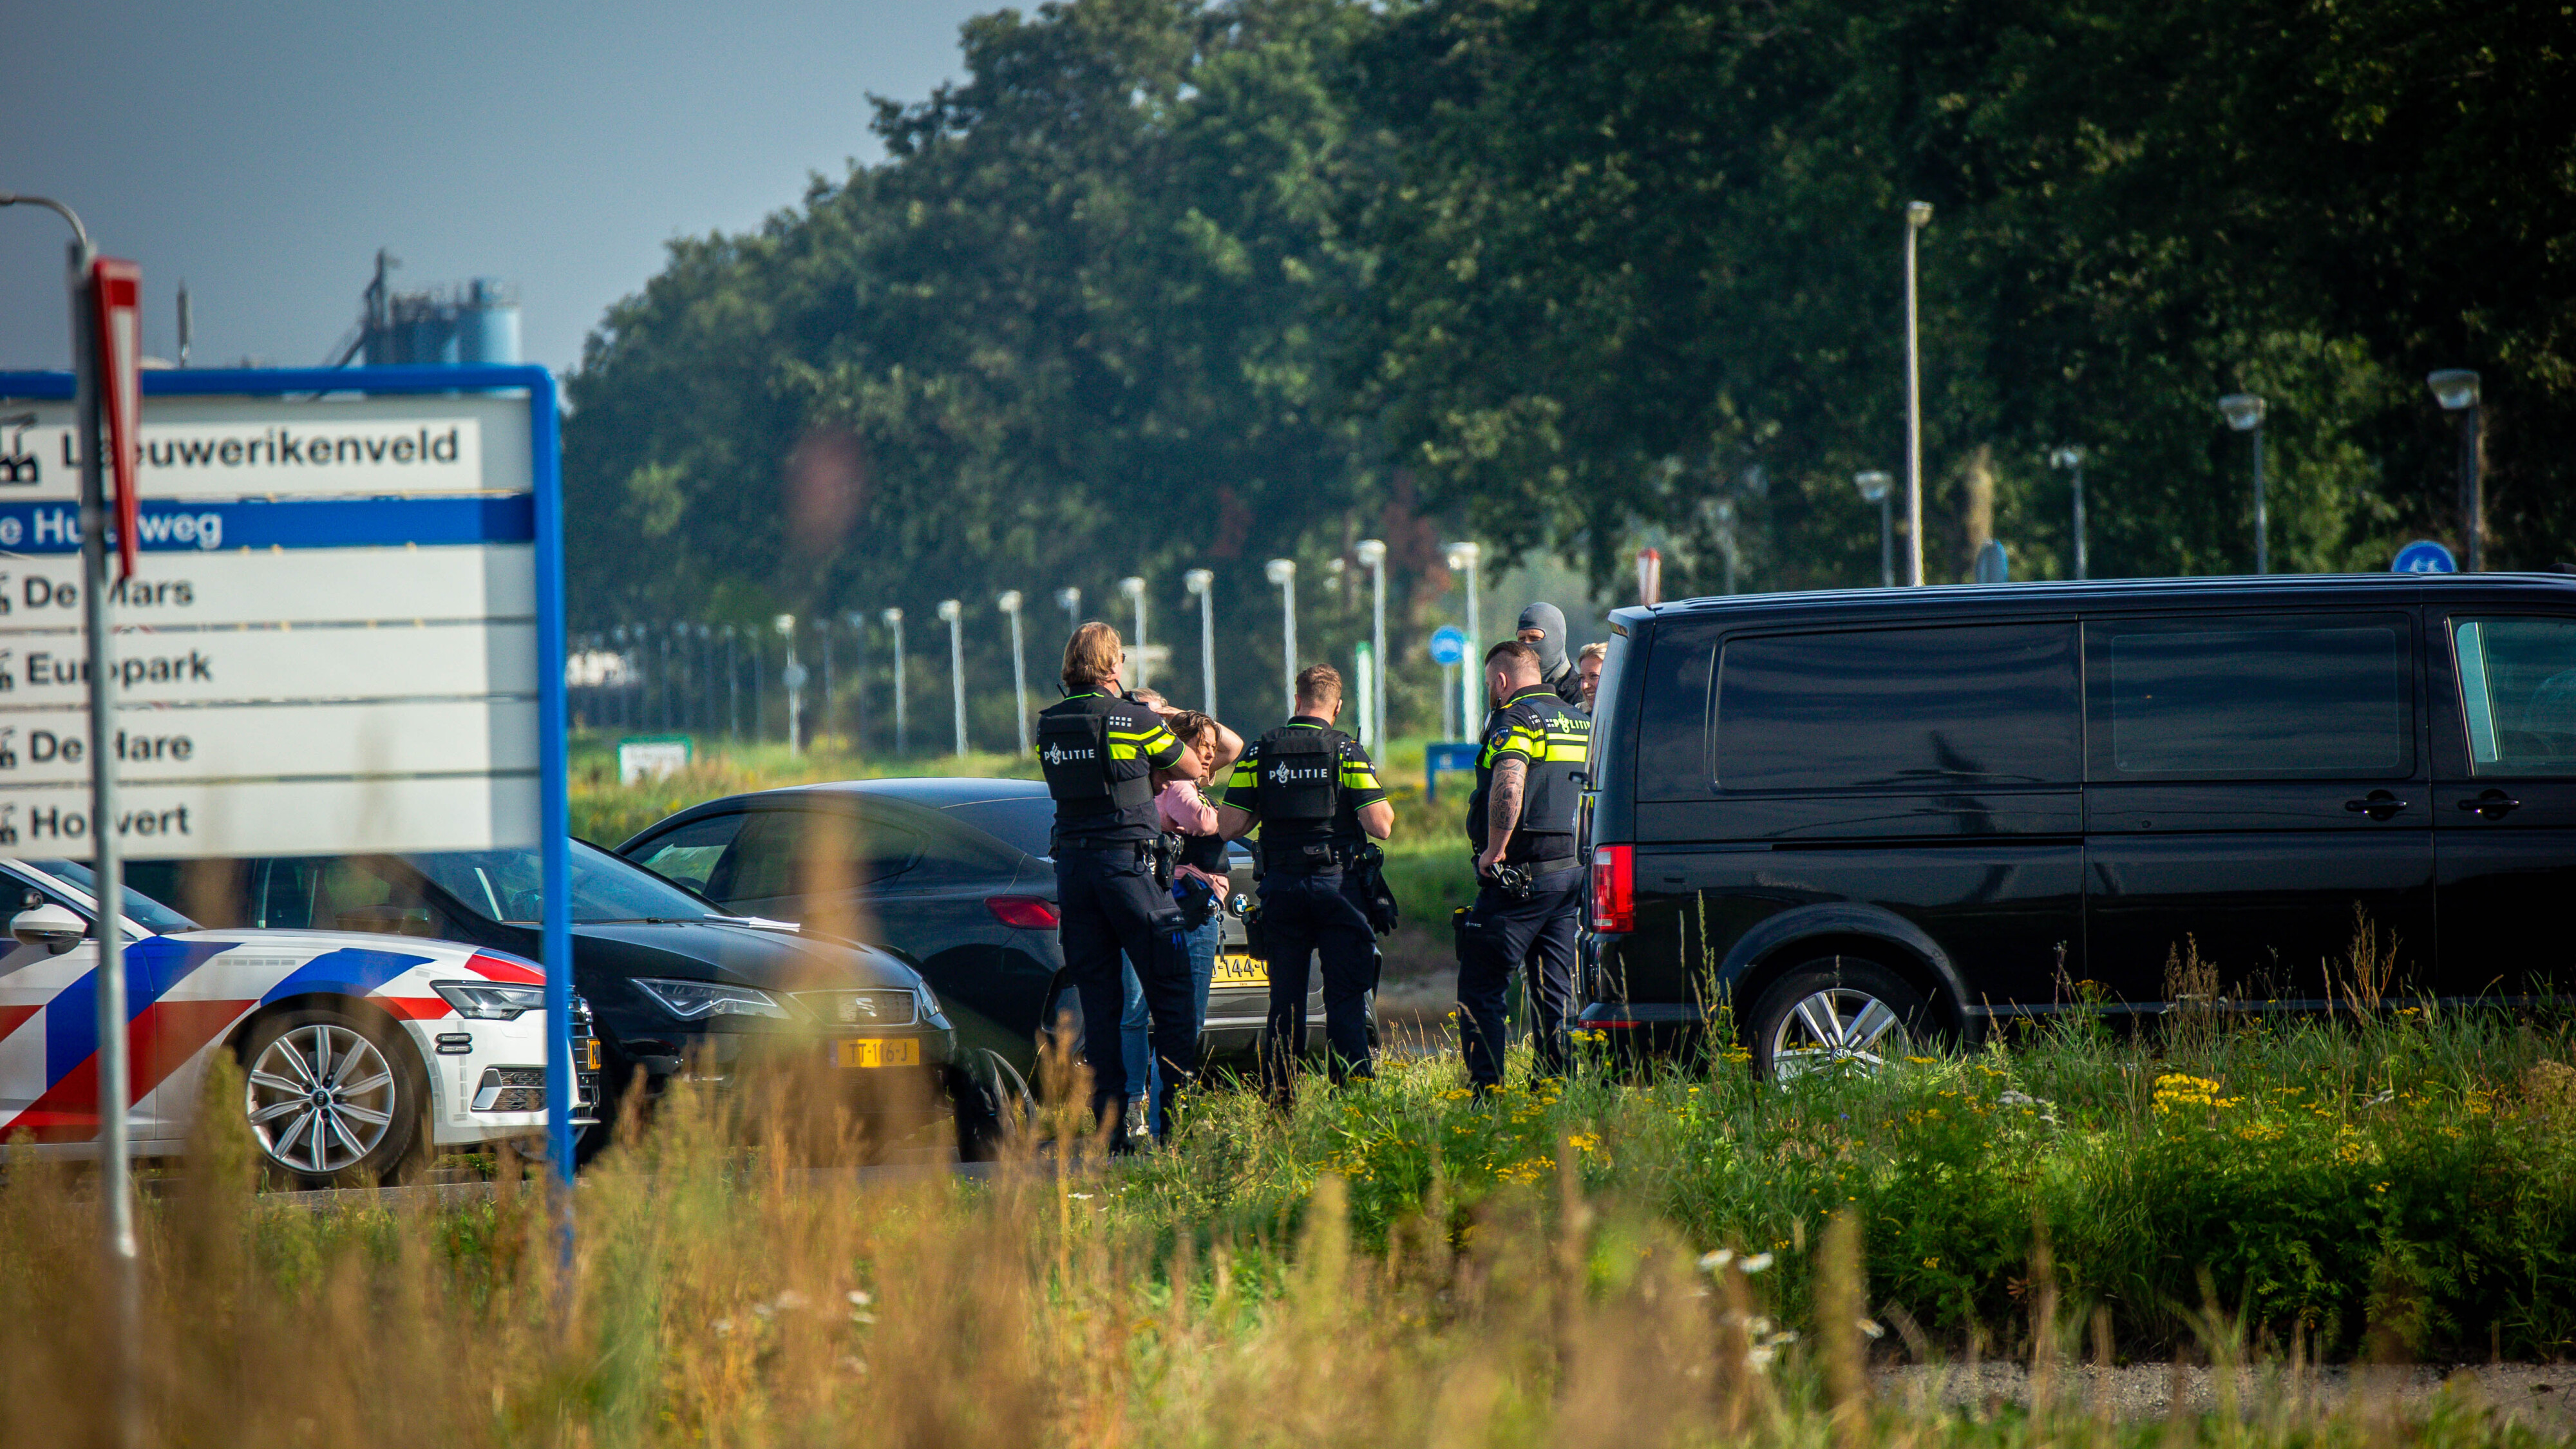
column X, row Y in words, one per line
column 330, row 645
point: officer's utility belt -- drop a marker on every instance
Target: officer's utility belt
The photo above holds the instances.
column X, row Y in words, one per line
column 1522, row 881
column 1305, row 857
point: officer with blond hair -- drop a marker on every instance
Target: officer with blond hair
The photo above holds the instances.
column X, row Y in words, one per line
column 1098, row 750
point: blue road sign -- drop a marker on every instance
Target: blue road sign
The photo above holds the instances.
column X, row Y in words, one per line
column 1448, row 644
column 2424, row 556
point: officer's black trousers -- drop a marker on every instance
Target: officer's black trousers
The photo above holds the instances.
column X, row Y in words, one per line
column 1304, row 916
column 1500, row 936
column 1111, row 905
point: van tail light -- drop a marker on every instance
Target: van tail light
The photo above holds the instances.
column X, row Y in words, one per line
column 1025, row 913
column 1614, row 887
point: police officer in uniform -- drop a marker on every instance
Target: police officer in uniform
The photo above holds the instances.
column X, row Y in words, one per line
column 1529, row 880
column 1315, row 795
column 1097, row 749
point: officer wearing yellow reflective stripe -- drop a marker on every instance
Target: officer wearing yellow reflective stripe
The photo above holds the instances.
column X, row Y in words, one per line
column 1529, row 880
column 1098, row 750
column 1315, row 794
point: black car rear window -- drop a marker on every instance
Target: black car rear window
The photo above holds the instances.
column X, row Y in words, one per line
column 1985, row 705
column 2252, row 698
column 1023, row 822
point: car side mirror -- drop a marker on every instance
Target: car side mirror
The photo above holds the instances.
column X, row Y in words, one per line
column 56, row 928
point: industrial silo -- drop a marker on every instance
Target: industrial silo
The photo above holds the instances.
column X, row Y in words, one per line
column 487, row 322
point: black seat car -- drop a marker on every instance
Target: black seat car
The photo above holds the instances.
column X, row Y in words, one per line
column 954, row 872
column 1852, row 817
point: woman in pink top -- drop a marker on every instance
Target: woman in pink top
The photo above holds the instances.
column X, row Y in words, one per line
column 1180, row 809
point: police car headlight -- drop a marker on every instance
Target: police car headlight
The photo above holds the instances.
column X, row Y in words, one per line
column 488, row 1001
column 694, row 1000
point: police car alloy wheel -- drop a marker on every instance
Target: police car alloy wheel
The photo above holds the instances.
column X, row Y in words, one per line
column 1840, row 1014
column 331, row 1102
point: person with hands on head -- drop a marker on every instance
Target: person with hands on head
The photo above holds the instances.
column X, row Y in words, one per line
column 1187, row 822
column 1315, row 795
column 1098, row 750
column 1529, row 880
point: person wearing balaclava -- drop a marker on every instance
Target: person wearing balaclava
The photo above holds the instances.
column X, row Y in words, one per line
column 1543, row 629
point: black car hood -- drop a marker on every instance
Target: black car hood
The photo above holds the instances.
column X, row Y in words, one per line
column 773, row 960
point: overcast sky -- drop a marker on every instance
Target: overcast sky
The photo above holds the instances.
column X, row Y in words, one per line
column 261, row 150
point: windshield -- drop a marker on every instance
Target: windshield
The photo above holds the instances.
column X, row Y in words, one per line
column 153, row 916
column 503, row 885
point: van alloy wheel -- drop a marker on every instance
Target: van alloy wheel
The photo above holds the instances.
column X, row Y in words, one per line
column 320, row 1098
column 1836, row 1028
column 1839, row 1013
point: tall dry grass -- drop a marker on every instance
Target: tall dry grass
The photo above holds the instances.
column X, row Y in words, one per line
column 734, row 1284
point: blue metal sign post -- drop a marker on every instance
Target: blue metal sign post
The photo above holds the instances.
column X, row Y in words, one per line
column 287, row 537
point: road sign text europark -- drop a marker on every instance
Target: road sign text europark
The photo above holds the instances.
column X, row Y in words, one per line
column 331, row 643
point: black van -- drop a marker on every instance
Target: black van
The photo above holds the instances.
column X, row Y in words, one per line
column 1859, row 817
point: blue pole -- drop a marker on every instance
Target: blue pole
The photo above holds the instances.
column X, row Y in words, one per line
column 554, row 806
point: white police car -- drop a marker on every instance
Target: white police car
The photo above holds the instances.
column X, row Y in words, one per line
column 362, row 1053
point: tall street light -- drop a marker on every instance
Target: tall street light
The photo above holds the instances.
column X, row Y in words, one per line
column 2456, row 389
column 955, row 614
column 902, row 723
column 1132, row 589
column 1918, row 215
column 1463, row 559
column 1010, row 604
column 1069, row 599
column 1202, row 584
column 1282, row 573
column 2244, row 413
column 1875, row 487
column 2072, row 459
column 1372, row 556
column 859, row 678
column 733, row 688
column 793, row 676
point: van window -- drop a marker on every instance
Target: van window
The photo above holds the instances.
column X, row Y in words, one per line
column 2252, row 699
column 1672, row 712
column 1987, row 704
column 2518, row 689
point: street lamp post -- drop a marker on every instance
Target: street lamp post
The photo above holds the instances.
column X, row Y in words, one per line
column 2244, row 412
column 859, row 678
column 707, row 678
column 1202, row 583
column 1282, row 572
column 1875, row 487
column 1009, row 603
column 1372, row 556
column 733, row 689
column 902, row 723
column 793, row 676
column 1132, row 588
column 2072, row 460
column 1918, row 215
column 2456, row 389
column 954, row 613
column 1069, row 599
column 1463, row 559
column 823, row 631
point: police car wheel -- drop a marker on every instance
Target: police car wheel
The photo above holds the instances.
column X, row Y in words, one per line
column 1836, row 1014
column 992, row 1103
column 332, row 1099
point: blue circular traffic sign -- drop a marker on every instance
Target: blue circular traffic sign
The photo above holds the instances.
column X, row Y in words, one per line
column 1448, row 644
column 2424, row 556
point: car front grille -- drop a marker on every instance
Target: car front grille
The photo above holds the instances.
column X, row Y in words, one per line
column 887, row 1006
